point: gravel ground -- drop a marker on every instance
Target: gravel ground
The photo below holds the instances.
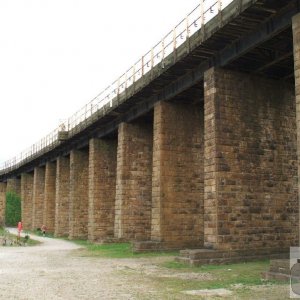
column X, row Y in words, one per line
column 53, row 271
column 58, row 269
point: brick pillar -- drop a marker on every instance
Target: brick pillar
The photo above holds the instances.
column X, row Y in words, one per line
column 79, row 161
column 2, row 202
column 296, row 42
column 27, row 199
column 133, row 187
column 102, row 187
column 177, row 182
column 38, row 197
column 49, row 201
column 250, row 163
column 62, row 194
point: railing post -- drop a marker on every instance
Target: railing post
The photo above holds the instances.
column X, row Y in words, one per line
column 133, row 75
column 187, row 33
column 142, row 67
column 118, row 89
column 163, row 52
column 152, row 58
column 126, row 84
column 174, row 45
column 152, row 63
column 202, row 19
column 220, row 11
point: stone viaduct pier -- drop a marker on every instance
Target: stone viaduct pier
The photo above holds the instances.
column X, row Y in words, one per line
column 194, row 147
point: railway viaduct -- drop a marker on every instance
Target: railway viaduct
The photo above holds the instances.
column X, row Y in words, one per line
column 194, row 147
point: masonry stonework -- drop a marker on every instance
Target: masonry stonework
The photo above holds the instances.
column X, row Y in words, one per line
column 102, row 188
column 62, row 195
column 49, row 201
column 250, row 163
column 177, row 180
column 133, row 186
column 78, row 213
column 27, row 199
column 296, row 41
column 2, row 202
column 14, row 185
column 38, row 197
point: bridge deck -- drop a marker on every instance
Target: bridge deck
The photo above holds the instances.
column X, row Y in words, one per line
column 251, row 36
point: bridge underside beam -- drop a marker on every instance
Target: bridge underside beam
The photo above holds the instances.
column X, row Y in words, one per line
column 246, row 43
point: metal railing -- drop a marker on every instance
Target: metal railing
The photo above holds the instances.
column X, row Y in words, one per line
column 192, row 23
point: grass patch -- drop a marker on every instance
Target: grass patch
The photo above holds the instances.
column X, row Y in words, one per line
column 12, row 237
column 40, row 233
column 12, row 209
column 2, row 231
column 118, row 250
column 224, row 276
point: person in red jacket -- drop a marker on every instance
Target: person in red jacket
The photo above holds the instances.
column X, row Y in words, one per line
column 20, row 227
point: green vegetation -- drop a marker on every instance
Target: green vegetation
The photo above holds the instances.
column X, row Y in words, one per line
column 13, row 241
column 2, row 231
column 117, row 250
column 220, row 276
column 12, row 209
column 243, row 279
column 40, row 233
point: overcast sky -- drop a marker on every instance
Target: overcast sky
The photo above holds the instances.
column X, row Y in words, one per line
column 56, row 55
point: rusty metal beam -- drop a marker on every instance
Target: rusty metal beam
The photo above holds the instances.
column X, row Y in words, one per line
column 274, row 61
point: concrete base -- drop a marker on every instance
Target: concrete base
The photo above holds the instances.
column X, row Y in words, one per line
column 199, row 257
column 279, row 270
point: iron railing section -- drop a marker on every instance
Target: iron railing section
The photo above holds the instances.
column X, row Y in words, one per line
column 192, row 23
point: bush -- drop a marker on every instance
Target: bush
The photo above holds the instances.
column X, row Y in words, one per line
column 12, row 209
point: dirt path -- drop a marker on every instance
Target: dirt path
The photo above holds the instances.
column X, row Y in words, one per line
column 52, row 271
column 58, row 269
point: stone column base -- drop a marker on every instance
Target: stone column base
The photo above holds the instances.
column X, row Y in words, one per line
column 279, row 270
column 150, row 246
column 198, row 257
